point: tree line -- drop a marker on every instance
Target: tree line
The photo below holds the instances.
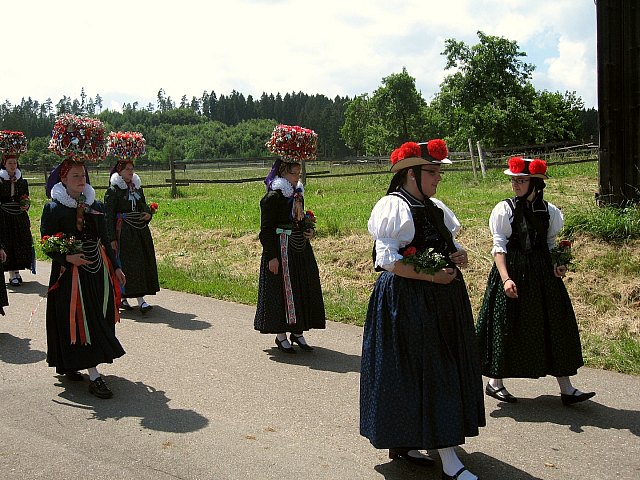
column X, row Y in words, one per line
column 488, row 97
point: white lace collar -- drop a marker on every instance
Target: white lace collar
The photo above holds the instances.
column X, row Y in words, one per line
column 59, row 193
column 117, row 181
column 284, row 186
column 4, row 175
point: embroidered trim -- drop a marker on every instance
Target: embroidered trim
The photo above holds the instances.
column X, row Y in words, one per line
column 4, row 175
column 116, row 180
column 285, row 187
column 59, row 193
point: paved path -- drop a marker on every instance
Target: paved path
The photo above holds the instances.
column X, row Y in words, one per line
column 201, row 395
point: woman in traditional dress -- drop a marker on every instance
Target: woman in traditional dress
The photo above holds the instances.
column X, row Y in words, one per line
column 83, row 288
column 420, row 382
column 128, row 216
column 527, row 327
column 15, row 228
column 289, row 292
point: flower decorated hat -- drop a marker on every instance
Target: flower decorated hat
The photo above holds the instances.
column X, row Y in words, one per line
column 521, row 167
column 78, row 139
column 293, row 143
column 125, row 145
column 12, row 144
column 410, row 154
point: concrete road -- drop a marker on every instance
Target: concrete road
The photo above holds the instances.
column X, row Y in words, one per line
column 201, row 395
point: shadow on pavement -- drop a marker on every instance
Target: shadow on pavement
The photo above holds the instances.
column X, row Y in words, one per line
column 27, row 287
column 548, row 409
column 320, row 359
column 479, row 464
column 18, row 351
column 132, row 399
column 179, row 321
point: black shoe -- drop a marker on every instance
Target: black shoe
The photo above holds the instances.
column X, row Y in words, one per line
column 500, row 394
column 14, row 282
column 283, row 348
column 573, row 398
column 124, row 304
column 72, row 375
column 145, row 307
column 404, row 453
column 304, row 346
column 455, row 475
column 98, row 388
column 19, row 279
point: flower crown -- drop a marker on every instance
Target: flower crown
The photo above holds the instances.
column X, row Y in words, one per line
column 78, row 138
column 12, row 143
column 125, row 145
column 293, row 143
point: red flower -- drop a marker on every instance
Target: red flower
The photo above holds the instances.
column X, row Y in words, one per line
column 58, row 235
column 538, row 166
column 394, row 156
column 409, row 251
column 44, row 239
column 408, row 149
column 153, row 206
column 516, row 164
column 437, row 149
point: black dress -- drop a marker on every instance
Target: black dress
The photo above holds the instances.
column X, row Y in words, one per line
column 420, row 382
column 535, row 334
column 4, row 299
column 15, row 228
column 93, row 340
column 137, row 255
column 289, row 301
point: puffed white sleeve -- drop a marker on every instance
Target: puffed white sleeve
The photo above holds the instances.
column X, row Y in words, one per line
column 450, row 220
column 556, row 222
column 500, row 227
column 391, row 226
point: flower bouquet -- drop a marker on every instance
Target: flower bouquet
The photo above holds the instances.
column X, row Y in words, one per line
column 25, row 201
column 309, row 221
column 61, row 243
column 561, row 253
column 153, row 206
column 428, row 261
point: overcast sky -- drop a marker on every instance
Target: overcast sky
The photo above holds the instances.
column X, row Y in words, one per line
column 127, row 50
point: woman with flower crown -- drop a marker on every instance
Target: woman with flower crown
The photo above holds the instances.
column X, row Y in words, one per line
column 420, row 382
column 15, row 226
column 83, row 288
column 289, row 293
column 128, row 216
column 527, row 327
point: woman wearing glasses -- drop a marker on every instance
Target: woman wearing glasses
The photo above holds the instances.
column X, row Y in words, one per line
column 527, row 327
column 420, row 381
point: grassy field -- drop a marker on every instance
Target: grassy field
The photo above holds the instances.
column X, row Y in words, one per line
column 206, row 242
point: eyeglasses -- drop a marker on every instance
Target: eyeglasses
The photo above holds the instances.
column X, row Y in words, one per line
column 430, row 171
column 519, row 181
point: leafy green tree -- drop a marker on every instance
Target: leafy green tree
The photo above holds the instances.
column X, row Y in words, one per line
column 357, row 119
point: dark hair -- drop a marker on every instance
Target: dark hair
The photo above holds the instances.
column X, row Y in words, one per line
column 285, row 167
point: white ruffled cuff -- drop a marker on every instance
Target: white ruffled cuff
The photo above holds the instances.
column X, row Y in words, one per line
column 387, row 253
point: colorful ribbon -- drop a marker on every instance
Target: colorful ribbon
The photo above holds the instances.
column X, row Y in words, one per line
column 290, row 308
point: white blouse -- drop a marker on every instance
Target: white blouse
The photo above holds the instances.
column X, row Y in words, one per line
column 391, row 226
column 500, row 226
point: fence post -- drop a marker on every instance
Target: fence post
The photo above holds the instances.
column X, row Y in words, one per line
column 172, row 167
column 481, row 160
column 473, row 160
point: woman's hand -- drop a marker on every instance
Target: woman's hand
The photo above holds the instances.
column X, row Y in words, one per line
column 560, row 271
column 460, row 258
column 120, row 276
column 114, row 245
column 274, row 265
column 309, row 233
column 510, row 288
column 146, row 216
column 445, row 276
column 77, row 259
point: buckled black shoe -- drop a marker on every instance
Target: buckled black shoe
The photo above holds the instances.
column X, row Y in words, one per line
column 456, row 475
column 124, row 304
column 500, row 394
column 283, row 348
column 98, row 388
column 14, row 282
column 573, row 398
column 422, row 461
column 304, row 346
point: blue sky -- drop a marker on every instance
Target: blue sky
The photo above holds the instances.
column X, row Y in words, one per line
column 127, row 50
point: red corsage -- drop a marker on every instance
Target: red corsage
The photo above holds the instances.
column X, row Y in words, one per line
column 516, row 164
column 409, row 251
column 437, row 149
column 538, row 167
column 407, row 150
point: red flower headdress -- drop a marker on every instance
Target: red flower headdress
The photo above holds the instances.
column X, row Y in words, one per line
column 125, row 145
column 293, row 143
column 519, row 166
column 78, row 138
column 12, row 143
column 410, row 154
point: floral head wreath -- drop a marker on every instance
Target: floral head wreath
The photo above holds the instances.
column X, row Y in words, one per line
column 520, row 167
column 125, row 145
column 12, row 144
column 78, row 138
column 410, row 154
column 293, row 143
